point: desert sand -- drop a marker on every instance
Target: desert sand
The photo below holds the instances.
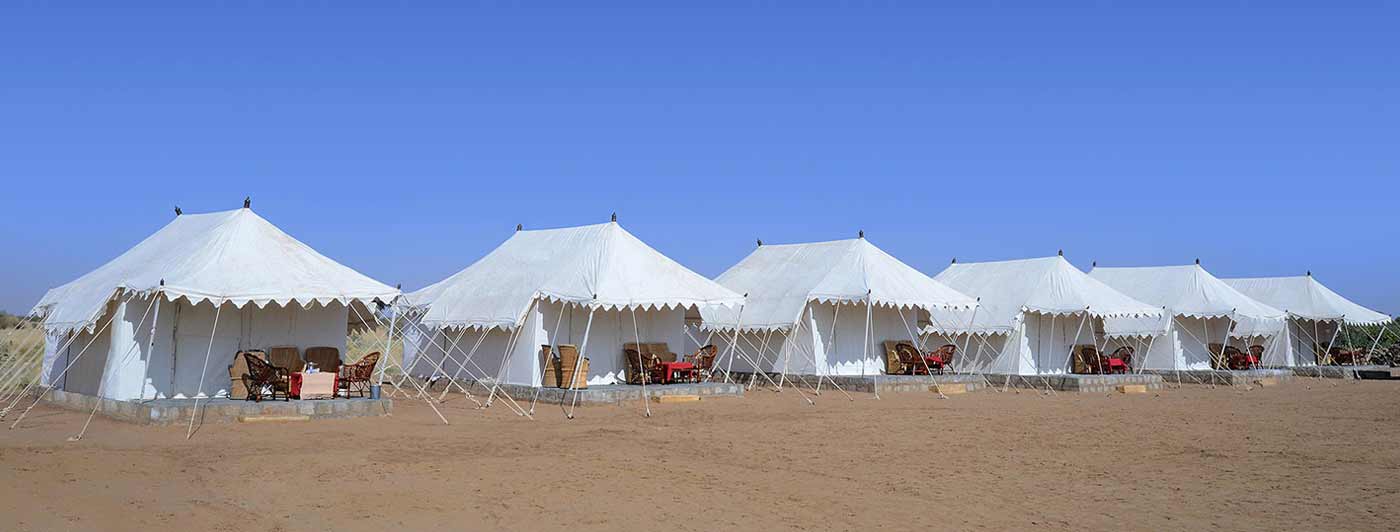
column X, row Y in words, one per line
column 1304, row 455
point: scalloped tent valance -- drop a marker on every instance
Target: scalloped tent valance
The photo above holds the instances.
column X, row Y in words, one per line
column 599, row 266
column 1049, row 285
column 1304, row 297
column 230, row 256
column 781, row 280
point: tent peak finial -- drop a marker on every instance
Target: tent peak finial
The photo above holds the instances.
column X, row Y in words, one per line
column 1309, row 273
column 861, row 233
column 1198, row 261
column 518, row 227
column 955, row 260
column 247, row 202
column 1094, row 264
column 398, row 286
column 178, row 211
column 1061, row 252
column 760, row 242
column 614, row 217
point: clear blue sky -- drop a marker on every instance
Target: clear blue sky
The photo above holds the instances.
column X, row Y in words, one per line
column 407, row 142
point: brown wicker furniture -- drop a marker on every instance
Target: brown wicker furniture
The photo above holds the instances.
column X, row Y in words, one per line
column 910, row 361
column 286, row 356
column 893, row 365
column 639, row 366
column 237, row 389
column 941, row 359
column 264, row 379
column 326, row 359
column 704, row 361
column 568, row 358
column 355, row 377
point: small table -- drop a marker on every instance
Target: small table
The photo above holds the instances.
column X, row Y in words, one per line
column 669, row 370
column 319, row 385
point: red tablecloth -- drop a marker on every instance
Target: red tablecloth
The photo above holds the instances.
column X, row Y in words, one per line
column 297, row 379
column 669, row 369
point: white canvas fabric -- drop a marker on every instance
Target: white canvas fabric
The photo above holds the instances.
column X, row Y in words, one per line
column 781, row 280
column 1044, row 306
column 601, row 266
column 539, row 288
column 1304, row 297
column 809, row 301
column 1314, row 314
column 1202, row 311
column 1192, row 292
column 158, row 338
column 1049, row 285
column 231, row 256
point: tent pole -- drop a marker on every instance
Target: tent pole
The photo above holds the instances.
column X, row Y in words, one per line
column 462, row 365
column 865, row 346
column 738, row 327
column 637, row 335
column 553, row 348
column 922, row 358
column 509, row 356
column 827, row 345
column 422, row 394
column 150, row 351
column 388, row 343
column 219, row 308
column 578, row 364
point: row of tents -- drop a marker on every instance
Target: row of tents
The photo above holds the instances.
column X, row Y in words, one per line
column 162, row 319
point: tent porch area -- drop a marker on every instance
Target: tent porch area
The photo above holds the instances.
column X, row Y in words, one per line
column 1073, row 382
column 1222, row 377
column 217, row 409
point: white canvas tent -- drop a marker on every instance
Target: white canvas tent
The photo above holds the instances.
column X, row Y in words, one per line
column 1032, row 312
column 594, row 286
column 820, row 308
column 1315, row 314
column 1202, row 310
column 165, row 318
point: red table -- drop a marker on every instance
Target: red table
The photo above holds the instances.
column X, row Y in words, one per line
column 669, row 370
column 295, row 381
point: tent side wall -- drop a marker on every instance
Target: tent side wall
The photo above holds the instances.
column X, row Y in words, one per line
column 122, row 354
column 566, row 324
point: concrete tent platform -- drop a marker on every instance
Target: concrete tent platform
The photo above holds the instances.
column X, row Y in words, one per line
column 1337, row 372
column 218, row 409
column 618, row 393
column 1078, row 383
column 1223, row 377
column 899, row 383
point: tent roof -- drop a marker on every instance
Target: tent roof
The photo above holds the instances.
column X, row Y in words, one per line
column 601, row 266
column 230, row 256
column 1185, row 291
column 1189, row 291
column 1304, row 297
column 781, row 279
column 1049, row 285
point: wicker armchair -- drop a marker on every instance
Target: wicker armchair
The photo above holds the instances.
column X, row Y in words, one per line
column 266, row 379
column 641, row 367
column 941, row 359
column 1092, row 361
column 355, row 377
column 911, row 361
column 326, row 359
column 704, row 361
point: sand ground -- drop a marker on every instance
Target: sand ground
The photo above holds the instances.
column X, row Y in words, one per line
column 1305, row 455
